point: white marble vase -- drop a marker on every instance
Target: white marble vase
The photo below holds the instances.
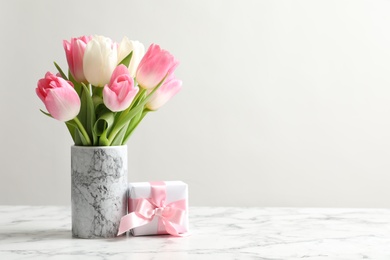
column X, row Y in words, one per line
column 99, row 190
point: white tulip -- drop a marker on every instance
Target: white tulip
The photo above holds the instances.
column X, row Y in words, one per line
column 125, row 47
column 100, row 60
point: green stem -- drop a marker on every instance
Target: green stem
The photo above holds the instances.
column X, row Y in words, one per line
column 120, row 124
column 132, row 127
column 117, row 128
column 103, row 141
column 82, row 130
column 135, row 102
column 97, row 91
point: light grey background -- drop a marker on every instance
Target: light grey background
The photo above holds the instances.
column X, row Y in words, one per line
column 284, row 103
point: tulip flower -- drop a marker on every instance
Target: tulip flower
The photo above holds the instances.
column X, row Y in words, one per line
column 120, row 92
column 59, row 97
column 170, row 87
column 154, row 66
column 100, row 60
column 125, row 47
column 74, row 51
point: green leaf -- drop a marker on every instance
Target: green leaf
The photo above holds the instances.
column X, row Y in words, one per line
column 77, row 85
column 134, row 121
column 142, row 95
column 79, row 138
column 81, row 134
column 60, row 71
column 119, row 137
column 101, row 109
column 103, row 140
column 123, row 121
column 69, row 125
column 87, row 113
column 97, row 92
column 104, row 123
column 139, row 107
column 97, row 102
column 127, row 59
column 83, row 114
column 133, row 125
column 45, row 113
column 124, row 132
column 71, row 128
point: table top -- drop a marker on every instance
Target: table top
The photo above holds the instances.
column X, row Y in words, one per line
column 44, row 232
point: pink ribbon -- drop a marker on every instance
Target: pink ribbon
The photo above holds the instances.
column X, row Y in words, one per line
column 143, row 211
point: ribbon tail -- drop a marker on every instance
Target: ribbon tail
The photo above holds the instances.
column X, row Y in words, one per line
column 170, row 228
column 131, row 221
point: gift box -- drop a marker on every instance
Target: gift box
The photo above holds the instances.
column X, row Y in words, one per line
column 156, row 208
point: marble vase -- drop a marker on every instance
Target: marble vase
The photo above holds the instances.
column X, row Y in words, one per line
column 99, row 190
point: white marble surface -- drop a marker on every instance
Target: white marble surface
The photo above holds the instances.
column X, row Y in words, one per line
column 217, row 233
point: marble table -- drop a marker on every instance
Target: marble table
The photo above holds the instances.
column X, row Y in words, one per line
column 217, row 233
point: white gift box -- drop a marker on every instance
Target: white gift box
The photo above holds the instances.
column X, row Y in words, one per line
column 175, row 191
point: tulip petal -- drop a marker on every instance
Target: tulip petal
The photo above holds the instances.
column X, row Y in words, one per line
column 120, row 70
column 115, row 103
column 169, row 89
column 100, row 60
column 154, row 66
column 74, row 51
column 120, row 92
column 62, row 103
column 125, row 47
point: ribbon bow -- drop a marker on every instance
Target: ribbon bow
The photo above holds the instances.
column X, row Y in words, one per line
column 145, row 210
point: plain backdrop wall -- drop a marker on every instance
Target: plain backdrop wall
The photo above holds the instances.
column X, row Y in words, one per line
column 284, row 103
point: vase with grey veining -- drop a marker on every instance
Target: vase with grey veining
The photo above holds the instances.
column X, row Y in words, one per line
column 99, row 190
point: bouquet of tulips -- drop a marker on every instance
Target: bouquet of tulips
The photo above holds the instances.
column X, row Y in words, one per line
column 109, row 88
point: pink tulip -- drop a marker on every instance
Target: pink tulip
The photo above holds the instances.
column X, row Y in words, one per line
column 170, row 88
column 59, row 97
column 74, row 51
column 120, row 92
column 154, row 66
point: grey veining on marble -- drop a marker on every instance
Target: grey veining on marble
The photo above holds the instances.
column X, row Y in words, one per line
column 217, row 233
column 99, row 190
